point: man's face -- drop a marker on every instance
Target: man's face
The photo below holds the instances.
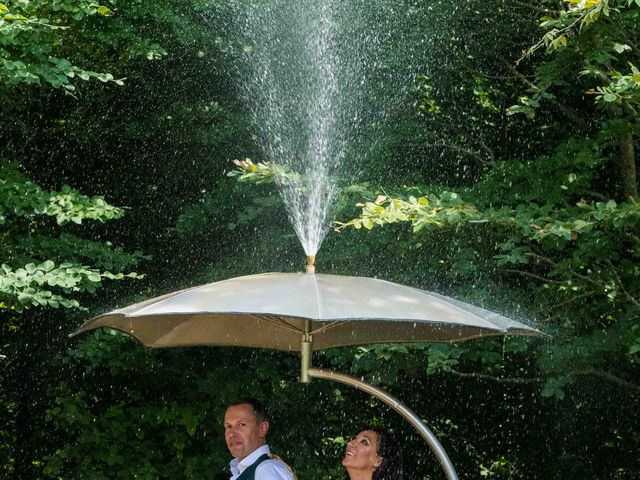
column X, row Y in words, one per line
column 242, row 431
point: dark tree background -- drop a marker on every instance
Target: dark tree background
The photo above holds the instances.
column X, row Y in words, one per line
column 518, row 129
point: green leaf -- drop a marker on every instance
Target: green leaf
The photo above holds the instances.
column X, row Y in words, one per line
column 554, row 387
column 47, row 266
column 621, row 47
column 102, row 10
column 94, row 277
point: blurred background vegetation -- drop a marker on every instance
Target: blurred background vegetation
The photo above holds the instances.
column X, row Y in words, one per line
column 506, row 177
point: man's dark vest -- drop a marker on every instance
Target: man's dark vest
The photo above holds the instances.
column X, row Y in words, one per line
column 249, row 473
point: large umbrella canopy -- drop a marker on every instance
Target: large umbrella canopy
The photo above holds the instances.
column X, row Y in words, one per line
column 274, row 310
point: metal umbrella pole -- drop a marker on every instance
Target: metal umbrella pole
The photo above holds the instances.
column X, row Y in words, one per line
column 307, row 373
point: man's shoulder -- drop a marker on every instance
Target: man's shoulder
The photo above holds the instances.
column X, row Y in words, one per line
column 274, row 467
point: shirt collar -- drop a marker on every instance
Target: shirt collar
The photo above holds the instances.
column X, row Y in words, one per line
column 238, row 466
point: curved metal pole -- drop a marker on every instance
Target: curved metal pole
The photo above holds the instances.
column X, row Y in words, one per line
column 394, row 403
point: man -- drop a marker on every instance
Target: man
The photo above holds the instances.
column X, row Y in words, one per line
column 245, row 430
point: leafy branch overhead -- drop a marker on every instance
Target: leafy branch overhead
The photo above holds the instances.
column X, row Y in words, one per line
column 260, row 173
column 29, row 276
column 30, row 44
column 447, row 209
column 36, row 285
column 596, row 37
column 20, row 197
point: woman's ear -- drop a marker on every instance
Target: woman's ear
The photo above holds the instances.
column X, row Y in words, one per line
column 378, row 461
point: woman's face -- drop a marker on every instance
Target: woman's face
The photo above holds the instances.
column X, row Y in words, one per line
column 362, row 452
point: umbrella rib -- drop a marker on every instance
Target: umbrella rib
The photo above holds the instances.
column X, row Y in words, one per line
column 279, row 322
column 329, row 326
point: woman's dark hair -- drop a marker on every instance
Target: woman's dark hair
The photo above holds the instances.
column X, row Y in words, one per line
column 392, row 466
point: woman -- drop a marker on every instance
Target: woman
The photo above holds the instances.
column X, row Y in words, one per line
column 373, row 454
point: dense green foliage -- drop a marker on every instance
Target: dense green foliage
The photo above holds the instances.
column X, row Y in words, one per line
column 506, row 176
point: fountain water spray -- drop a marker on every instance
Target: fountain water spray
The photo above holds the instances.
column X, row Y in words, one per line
column 314, row 77
column 296, row 97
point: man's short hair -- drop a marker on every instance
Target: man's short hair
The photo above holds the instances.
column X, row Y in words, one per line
column 258, row 407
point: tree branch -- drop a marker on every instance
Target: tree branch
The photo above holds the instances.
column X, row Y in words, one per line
column 566, row 111
column 467, row 151
column 596, row 195
column 528, row 380
column 628, row 166
column 576, row 274
column 532, row 275
column 572, row 300
column 489, row 150
column 531, row 7
column 607, row 376
column 483, row 376
column 620, row 284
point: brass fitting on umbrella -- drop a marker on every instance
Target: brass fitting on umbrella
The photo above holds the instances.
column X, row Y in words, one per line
column 311, row 264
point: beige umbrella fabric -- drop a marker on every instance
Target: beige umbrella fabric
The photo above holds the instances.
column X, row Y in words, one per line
column 272, row 310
